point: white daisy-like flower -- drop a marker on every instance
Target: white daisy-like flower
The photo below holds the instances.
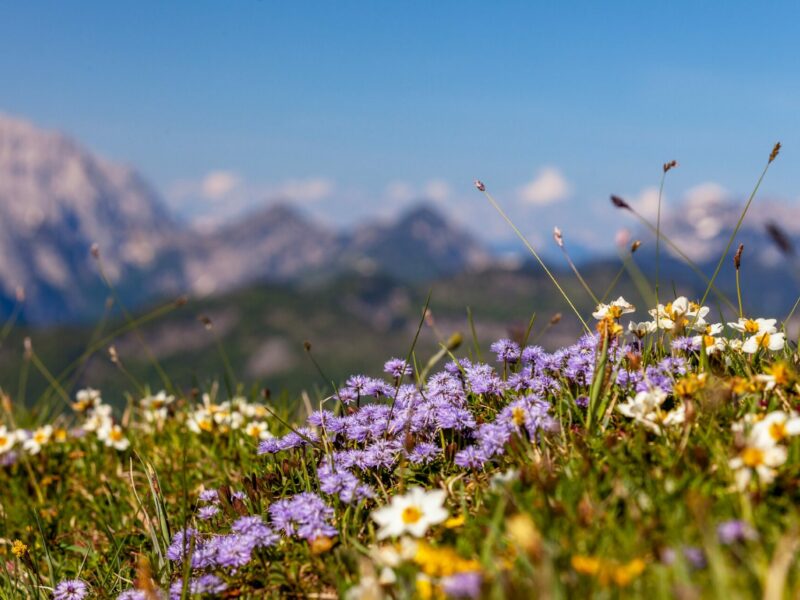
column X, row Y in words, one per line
column 98, row 418
column 114, row 437
column 641, row 329
column 709, row 339
column 645, row 408
column 754, row 326
column 258, row 429
column 200, row 420
column 86, row 399
column 774, row 428
column 412, row 513
column 37, row 439
column 759, row 460
column 680, row 313
column 7, row 439
column 764, row 341
column 613, row 310
column 155, row 406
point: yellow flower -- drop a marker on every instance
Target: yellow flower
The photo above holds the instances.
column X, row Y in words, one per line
column 586, row 565
column 607, row 571
column 442, row 562
column 19, row 549
column 454, row 522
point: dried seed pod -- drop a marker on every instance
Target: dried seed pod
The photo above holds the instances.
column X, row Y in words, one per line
column 480, row 186
column 619, row 202
column 737, row 258
column 775, row 151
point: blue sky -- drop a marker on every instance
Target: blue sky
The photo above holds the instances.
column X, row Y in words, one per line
column 351, row 109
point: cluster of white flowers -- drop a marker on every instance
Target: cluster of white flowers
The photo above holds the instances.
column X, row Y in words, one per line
column 97, row 419
column 763, row 449
column 230, row 415
column 682, row 316
column 32, row 441
column 645, row 408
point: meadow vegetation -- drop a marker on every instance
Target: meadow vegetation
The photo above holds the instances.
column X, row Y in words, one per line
column 657, row 455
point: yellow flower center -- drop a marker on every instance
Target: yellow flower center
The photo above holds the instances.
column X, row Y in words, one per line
column 205, row 425
column 750, row 326
column 763, row 340
column 752, row 457
column 615, row 312
column 39, row 437
column 709, row 341
column 411, row 514
column 3, row 440
column 777, row 431
column 518, row 415
column 115, row 435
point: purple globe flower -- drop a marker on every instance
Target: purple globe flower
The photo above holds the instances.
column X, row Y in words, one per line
column 70, row 589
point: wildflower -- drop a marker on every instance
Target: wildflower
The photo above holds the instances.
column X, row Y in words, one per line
column 764, row 341
column 97, row 418
column 730, row 532
column 778, row 374
column 113, row 436
column 774, row 428
column 645, row 408
column 258, row 430
column 38, row 438
column 462, row 585
column 7, row 439
column 71, row 589
column 641, row 329
column 759, row 460
column 709, row 339
column 204, row 584
column 305, row 515
column 506, row 350
column 754, row 326
column 397, row 368
column 614, row 310
column 156, row 407
column 204, row 513
column 86, row 400
column 679, row 314
column 19, row 549
column 413, row 513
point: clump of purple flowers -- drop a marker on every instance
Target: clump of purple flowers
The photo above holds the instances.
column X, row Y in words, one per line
column 305, row 515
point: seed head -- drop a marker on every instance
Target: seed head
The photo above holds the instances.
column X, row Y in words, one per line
column 480, row 186
column 95, row 250
column 558, row 237
column 619, row 202
column 775, row 151
column 181, row 301
column 780, row 238
column 670, row 165
column 206, row 321
column 737, row 258
column 555, row 319
column 635, row 245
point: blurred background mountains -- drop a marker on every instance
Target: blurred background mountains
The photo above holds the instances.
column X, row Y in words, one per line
column 262, row 284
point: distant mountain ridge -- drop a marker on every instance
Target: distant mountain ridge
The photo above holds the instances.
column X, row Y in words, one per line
column 57, row 199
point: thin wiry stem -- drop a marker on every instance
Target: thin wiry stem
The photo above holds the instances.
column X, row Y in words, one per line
column 739, row 224
column 536, row 256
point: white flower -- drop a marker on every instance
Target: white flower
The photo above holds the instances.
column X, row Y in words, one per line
column 86, row 400
column 258, row 429
column 753, row 326
column 712, row 343
column 200, row 420
column 774, row 428
column 113, row 436
column 499, row 480
column 764, row 340
column 7, row 439
column 679, row 314
column 98, row 418
column 614, row 310
column 155, row 406
column 38, row 438
column 641, row 329
column 645, row 408
column 761, row 460
column 411, row 513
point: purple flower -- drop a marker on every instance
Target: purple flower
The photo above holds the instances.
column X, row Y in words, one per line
column 205, row 584
column 470, row 458
column 582, row 401
column 181, row 544
column 135, row 595
column 506, row 350
column 423, row 453
column 204, row 513
column 305, row 515
column 462, row 585
column 730, row 532
column 233, row 550
column 685, row 344
column 70, row 589
column 397, row 368
column 209, row 496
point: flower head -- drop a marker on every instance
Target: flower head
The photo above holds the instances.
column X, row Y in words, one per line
column 414, row 513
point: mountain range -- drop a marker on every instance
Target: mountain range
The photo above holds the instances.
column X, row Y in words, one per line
column 58, row 200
